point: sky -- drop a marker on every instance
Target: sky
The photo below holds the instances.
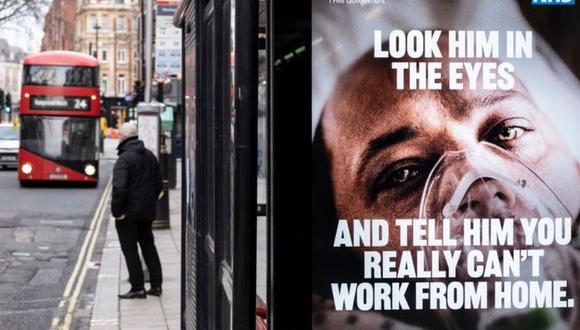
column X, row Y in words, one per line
column 25, row 33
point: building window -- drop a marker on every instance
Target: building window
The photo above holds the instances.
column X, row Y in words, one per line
column 105, row 22
column 120, row 1
column 121, row 84
column 122, row 56
column 121, row 26
column 104, row 84
column 104, row 55
column 91, row 21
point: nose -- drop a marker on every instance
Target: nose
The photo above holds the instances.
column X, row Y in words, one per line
column 488, row 198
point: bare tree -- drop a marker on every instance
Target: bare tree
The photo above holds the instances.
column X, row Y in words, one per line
column 11, row 10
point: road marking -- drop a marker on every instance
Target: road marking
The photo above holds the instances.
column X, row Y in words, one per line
column 82, row 262
column 109, row 322
column 56, row 222
column 82, row 253
column 77, row 291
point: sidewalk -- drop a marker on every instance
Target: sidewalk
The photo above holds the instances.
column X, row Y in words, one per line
column 109, row 312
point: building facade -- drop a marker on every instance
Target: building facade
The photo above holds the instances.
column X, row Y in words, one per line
column 107, row 29
column 59, row 26
column 11, row 70
column 10, row 76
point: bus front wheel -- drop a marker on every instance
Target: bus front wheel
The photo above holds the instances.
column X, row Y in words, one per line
column 24, row 183
column 92, row 184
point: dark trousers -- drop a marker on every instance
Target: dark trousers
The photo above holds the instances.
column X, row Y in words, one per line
column 130, row 233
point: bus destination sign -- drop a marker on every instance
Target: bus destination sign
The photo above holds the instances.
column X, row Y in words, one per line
column 45, row 102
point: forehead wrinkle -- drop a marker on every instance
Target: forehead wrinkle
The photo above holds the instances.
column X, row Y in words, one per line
column 454, row 101
column 362, row 106
column 360, row 97
column 460, row 104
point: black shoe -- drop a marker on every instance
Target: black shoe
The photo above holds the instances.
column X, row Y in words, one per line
column 139, row 294
column 155, row 291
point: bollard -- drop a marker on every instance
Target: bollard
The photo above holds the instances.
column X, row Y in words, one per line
column 101, row 143
column 172, row 170
column 171, row 162
column 162, row 213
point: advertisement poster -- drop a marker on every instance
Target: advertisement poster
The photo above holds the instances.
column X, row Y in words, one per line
column 446, row 148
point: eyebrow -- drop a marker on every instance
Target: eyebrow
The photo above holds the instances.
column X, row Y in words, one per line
column 461, row 107
column 494, row 98
column 385, row 141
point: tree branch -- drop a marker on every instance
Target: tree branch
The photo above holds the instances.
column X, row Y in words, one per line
column 10, row 10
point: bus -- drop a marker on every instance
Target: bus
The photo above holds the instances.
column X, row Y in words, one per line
column 59, row 112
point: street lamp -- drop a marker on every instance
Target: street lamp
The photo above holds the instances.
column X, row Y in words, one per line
column 97, row 27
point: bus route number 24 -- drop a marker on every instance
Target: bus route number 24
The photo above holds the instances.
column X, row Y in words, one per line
column 80, row 104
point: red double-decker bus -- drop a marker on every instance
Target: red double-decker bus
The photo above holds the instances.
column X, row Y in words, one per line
column 59, row 112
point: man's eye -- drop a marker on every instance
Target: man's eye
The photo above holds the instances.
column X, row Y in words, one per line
column 397, row 178
column 509, row 133
column 402, row 178
column 403, row 175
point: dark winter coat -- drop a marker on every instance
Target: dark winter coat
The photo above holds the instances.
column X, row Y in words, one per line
column 136, row 182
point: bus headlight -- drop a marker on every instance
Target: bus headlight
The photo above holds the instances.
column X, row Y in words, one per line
column 26, row 168
column 90, row 170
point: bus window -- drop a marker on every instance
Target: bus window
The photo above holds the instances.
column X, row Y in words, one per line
column 60, row 76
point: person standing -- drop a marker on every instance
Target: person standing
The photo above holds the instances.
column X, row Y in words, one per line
column 136, row 187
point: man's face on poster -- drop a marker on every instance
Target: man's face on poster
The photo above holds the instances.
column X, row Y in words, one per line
column 383, row 142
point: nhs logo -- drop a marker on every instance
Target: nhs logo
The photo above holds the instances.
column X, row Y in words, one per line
column 553, row 2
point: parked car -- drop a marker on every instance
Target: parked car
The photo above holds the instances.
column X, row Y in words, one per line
column 9, row 144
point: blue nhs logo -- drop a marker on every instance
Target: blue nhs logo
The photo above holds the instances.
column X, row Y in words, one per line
column 553, row 2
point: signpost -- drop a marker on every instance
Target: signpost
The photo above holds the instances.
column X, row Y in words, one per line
column 167, row 58
column 167, row 65
column 167, row 41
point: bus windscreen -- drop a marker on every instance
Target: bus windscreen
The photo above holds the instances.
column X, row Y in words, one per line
column 61, row 138
column 60, row 76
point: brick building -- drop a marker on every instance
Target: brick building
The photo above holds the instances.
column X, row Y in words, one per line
column 59, row 26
